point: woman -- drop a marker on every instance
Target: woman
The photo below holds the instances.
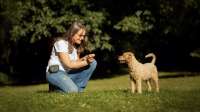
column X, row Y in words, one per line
column 66, row 71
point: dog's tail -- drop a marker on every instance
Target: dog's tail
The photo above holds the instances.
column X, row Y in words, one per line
column 153, row 57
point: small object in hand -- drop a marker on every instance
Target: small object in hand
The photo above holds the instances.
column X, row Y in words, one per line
column 53, row 68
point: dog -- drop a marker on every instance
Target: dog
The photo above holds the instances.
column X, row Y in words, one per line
column 139, row 71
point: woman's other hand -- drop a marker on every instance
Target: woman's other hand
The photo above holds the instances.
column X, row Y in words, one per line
column 90, row 58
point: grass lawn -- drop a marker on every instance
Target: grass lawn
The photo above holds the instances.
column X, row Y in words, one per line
column 180, row 94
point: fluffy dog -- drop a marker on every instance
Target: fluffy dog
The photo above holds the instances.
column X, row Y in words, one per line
column 139, row 71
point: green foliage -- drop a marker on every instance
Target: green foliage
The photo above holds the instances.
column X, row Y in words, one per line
column 195, row 53
column 97, row 38
column 37, row 20
column 5, row 79
column 192, row 3
column 163, row 27
column 137, row 23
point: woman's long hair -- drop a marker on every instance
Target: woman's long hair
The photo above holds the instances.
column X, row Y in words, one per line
column 73, row 29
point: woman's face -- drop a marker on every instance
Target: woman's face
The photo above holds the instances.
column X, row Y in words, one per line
column 79, row 36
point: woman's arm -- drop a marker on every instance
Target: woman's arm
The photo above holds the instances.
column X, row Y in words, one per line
column 64, row 58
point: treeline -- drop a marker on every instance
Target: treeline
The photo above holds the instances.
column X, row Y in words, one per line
column 166, row 27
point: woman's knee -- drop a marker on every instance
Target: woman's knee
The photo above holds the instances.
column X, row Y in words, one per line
column 62, row 82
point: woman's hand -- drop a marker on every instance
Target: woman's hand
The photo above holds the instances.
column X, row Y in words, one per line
column 89, row 58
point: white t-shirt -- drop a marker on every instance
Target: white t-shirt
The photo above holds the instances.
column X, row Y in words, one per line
column 61, row 46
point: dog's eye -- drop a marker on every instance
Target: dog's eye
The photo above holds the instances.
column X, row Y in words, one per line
column 129, row 55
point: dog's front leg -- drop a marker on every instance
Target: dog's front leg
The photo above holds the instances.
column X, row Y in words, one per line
column 139, row 85
column 133, row 85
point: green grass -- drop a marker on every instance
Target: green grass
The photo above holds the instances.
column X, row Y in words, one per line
column 106, row 95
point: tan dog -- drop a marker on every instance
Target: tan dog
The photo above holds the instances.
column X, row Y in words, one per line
column 139, row 71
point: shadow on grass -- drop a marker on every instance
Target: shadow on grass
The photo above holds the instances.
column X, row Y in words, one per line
column 178, row 74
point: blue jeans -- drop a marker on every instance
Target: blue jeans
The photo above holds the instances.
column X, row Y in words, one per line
column 72, row 81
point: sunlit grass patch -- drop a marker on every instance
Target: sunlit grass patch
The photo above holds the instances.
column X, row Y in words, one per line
column 105, row 95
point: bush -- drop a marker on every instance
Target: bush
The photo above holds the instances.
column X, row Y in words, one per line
column 5, row 79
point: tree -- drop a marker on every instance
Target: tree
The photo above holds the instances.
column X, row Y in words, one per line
column 36, row 21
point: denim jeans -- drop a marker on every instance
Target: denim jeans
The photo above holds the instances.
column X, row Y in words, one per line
column 72, row 81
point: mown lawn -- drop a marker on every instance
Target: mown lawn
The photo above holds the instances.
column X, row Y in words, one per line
column 180, row 94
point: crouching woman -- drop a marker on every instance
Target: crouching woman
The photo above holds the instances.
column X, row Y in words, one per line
column 66, row 71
